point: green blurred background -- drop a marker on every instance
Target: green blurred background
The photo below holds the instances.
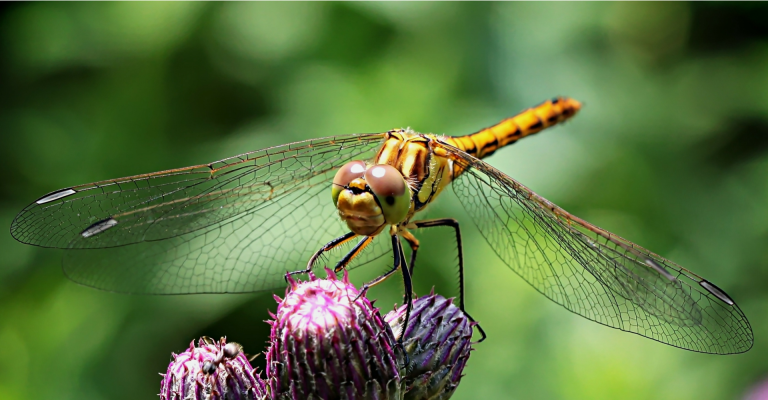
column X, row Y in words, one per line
column 670, row 151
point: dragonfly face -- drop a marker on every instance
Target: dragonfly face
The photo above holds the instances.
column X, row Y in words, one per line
column 370, row 198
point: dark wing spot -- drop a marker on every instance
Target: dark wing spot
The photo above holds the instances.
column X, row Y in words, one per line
column 56, row 195
column 719, row 293
column 98, row 227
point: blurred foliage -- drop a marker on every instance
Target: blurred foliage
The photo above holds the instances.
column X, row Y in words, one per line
column 670, row 151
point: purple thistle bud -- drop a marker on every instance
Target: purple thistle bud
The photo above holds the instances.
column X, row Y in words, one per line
column 438, row 342
column 212, row 371
column 326, row 344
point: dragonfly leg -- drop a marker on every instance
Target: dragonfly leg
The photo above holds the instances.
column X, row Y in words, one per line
column 450, row 222
column 414, row 243
column 408, row 296
column 328, row 246
column 398, row 260
column 352, row 253
column 400, row 264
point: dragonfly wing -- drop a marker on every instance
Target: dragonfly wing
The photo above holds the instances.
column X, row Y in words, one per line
column 212, row 248
column 177, row 202
column 594, row 273
column 246, row 253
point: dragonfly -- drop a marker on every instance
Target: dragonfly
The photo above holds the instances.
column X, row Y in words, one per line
column 238, row 225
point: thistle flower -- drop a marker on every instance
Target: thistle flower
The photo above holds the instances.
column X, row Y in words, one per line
column 438, row 343
column 326, row 343
column 212, row 371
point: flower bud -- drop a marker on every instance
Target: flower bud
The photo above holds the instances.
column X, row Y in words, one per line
column 326, row 343
column 438, row 343
column 212, row 371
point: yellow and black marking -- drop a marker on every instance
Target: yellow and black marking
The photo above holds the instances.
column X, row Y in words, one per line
column 428, row 170
column 412, row 155
column 487, row 141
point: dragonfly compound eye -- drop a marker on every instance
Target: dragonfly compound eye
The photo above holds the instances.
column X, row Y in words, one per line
column 346, row 174
column 390, row 188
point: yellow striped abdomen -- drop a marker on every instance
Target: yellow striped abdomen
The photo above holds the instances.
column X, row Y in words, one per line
column 485, row 142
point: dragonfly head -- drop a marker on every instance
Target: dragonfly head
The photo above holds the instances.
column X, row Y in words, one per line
column 370, row 198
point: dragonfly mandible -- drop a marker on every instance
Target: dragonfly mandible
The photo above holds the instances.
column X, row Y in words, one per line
column 238, row 224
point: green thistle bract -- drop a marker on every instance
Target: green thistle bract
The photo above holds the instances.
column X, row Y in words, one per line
column 326, row 345
column 212, row 371
column 438, row 342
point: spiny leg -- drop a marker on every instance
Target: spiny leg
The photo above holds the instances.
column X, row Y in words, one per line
column 408, row 298
column 353, row 253
column 399, row 256
column 450, row 222
column 414, row 243
column 328, row 246
column 382, row 278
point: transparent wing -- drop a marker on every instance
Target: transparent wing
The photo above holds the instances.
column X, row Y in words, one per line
column 171, row 203
column 239, row 230
column 594, row 273
column 246, row 253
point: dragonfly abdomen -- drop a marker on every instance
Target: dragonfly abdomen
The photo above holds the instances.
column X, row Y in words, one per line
column 485, row 142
